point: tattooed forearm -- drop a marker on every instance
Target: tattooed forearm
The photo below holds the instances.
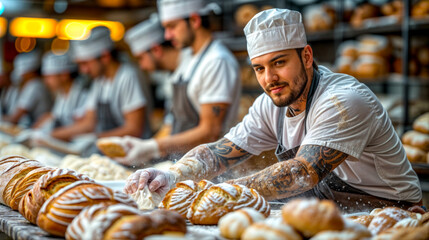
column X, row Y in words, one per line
column 227, row 153
column 294, row 176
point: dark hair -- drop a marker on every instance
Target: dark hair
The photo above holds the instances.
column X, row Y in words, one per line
column 299, row 51
column 167, row 44
column 205, row 21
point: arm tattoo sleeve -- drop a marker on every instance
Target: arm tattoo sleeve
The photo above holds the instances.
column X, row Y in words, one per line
column 208, row 160
column 296, row 175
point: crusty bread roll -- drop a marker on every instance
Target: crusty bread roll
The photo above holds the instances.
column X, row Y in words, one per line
column 44, row 188
column 24, row 185
column 213, row 203
column 311, row 216
column 416, row 139
column 417, row 233
column 83, row 222
column 386, row 218
column 362, row 219
column 421, row 124
column 270, row 229
column 233, row 224
column 415, row 155
column 111, row 147
column 62, row 207
column 244, row 13
column 180, row 198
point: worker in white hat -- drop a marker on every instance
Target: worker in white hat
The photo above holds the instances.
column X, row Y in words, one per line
column 8, row 93
column 60, row 76
column 207, row 87
column 334, row 139
column 116, row 104
column 34, row 98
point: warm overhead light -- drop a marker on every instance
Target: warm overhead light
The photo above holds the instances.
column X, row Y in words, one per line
column 3, row 26
column 59, row 46
column 25, row 44
column 74, row 29
column 33, row 27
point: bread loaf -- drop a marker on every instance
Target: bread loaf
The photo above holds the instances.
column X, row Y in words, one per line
column 311, row 216
column 24, row 185
column 421, row 124
column 44, row 188
column 180, row 198
column 270, row 229
column 213, row 203
column 418, row 233
column 415, row 155
column 362, row 219
column 233, row 224
column 416, row 139
column 111, row 147
column 244, row 13
column 386, row 218
column 62, row 207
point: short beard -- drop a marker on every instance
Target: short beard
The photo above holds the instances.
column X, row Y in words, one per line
column 187, row 42
column 294, row 95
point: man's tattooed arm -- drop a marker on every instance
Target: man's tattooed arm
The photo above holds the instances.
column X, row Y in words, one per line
column 294, row 176
column 209, row 160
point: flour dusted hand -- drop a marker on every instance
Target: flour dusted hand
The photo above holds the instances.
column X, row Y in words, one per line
column 157, row 181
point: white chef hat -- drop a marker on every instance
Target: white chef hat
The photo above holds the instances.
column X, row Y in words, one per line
column 144, row 35
column 55, row 64
column 274, row 30
column 179, row 9
column 92, row 47
column 24, row 63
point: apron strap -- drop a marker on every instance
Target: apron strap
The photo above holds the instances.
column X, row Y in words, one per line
column 197, row 63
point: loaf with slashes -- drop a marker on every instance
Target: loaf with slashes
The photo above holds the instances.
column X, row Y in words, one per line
column 120, row 221
column 62, row 207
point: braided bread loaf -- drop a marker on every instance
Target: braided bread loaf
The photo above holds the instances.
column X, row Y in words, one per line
column 122, row 222
column 60, row 209
column 233, row 224
column 311, row 216
column 44, row 188
column 213, row 203
column 180, row 198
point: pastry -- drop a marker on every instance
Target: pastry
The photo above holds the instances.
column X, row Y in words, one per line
column 362, row 219
column 415, row 155
column 233, row 224
column 62, row 207
column 386, row 218
column 416, row 139
column 311, row 216
column 270, row 229
column 244, row 13
column 417, row 233
column 421, row 124
column 111, row 147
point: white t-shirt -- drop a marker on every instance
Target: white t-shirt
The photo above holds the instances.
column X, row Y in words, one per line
column 216, row 79
column 8, row 100
column 124, row 93
column 345, row 115
column 34, row 98
column 70, row 106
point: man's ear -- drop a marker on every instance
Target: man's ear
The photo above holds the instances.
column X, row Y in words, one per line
column 307, row 56
column 105, row 57
column 195, row 20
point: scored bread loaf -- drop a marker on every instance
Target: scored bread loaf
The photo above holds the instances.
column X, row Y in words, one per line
column 12, row 174
column 386, row 218
column 270, row 229
column 111, row 147
column 24, row 185
column 233, row 224
column 311, row 216
column 416, row 139
column 213, row 203
column 62, row 207
column 421, row 124
column 44, row 188
column 180, row 198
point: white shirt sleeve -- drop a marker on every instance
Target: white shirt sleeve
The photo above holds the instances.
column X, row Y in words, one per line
column 131, row 96
column 216, row 88
column 30, row 96
column 344, row 121
column 257, row 132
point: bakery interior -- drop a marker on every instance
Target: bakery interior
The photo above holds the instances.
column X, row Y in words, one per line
column 382, row 43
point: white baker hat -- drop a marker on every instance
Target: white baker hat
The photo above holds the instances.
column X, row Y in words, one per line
column 24, row 63
column 274, row 30
column 177, row 9
column 55, row 64
column 144, row 35
column 92, row 47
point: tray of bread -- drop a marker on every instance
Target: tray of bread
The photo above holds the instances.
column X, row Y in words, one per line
column 40, row 202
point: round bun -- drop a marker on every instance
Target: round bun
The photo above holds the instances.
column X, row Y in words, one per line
column 270, row 229
column 233, row 224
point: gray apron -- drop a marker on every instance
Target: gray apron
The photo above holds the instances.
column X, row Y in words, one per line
column 348, row 198
column 185, row 115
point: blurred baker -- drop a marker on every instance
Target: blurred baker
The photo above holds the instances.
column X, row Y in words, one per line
column 333, row 138
column 60, row 76
column 206, row 90
column 34, row 99
column 8, row 93
column 116, row 104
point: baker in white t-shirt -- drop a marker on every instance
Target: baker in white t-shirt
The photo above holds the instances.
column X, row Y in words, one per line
column 206, row 84
column 116, row 105
column 333, row 138
column 58, row 73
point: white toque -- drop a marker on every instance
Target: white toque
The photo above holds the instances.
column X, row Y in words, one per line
column 98, row 41
column 56, row 64
column 179, row 9
column 25, row 63
column 274, row 30
column 144, row 35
